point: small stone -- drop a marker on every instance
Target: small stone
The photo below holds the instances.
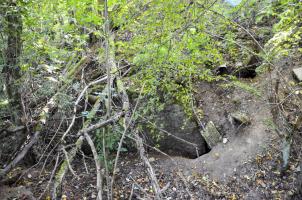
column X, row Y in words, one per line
column 151, row 159
column 225, row 140
column 298, row 73
column 29, row 176
column 238, row 64
column 211, row 135
column 263, row 184
column 298, row 169
column 240, row 118
column 93, row 195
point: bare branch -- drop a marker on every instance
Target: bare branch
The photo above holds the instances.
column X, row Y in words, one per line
column 97, row 165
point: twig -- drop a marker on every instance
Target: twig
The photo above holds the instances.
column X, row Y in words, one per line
column 68, row 163
column 169, row 134
column 126, row 126
column 51, row 176
column 78, row 101
column 154, row 181
column 64, row 167
column 97, row 164
column 53, row 137
column 85, row 165
column 101, row 124
column 131, row 193
column 179, row 172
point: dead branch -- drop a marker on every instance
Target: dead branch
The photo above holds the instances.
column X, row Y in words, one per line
column 127, row 123
column 51, row 176
column 78, row 101
column 101, row 124
column 20, row 156
column 64, row 166
column 50, row 105
column 97, row 165
column 68, row 163
column 154, row 181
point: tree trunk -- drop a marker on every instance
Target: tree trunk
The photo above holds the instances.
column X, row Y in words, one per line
column 12, row 53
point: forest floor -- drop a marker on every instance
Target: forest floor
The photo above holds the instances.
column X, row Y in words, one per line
column 247, row 166
column 257, row 178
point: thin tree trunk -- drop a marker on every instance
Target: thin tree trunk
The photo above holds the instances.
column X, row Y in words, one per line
column 108, row 61
column 12, row 53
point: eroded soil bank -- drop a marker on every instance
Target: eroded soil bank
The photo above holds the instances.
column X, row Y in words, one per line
column 246, row 164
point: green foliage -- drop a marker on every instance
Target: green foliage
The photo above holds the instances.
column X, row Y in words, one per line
column 288, row 30
column 168, row 48
column 170, row 45
column 108, row 138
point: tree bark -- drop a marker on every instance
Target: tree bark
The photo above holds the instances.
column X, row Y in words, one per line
column 12, row 53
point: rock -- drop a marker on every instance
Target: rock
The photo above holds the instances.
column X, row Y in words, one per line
column 222, row 70
column 93, row 195
column 239, row 118
column 29, row 176
column 7, row 193
column 10, row 142
column 176, row 134
column 211, row 135
column 238, row 64
column 298, row 73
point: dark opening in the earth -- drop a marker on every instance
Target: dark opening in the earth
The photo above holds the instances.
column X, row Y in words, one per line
column 190, row 152
column 185, row 150
column 249, row 71
column 207, row 149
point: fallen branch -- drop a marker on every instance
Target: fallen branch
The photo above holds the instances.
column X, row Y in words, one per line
column 78, row 101
column 97, row 165
column 64, row 166
column 20, row 156
column 69, row 164
column 154, row 181
column 127, row 123
column 51, row 177
column 101, row 124
column 50, row 105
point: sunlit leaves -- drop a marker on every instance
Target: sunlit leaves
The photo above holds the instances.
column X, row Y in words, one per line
column 168, row 45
